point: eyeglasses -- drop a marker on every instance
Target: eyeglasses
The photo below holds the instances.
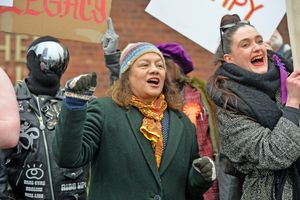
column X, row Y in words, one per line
column 227, row 26
column 54, row 57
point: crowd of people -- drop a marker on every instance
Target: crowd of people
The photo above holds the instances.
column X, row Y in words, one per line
column 159, row 133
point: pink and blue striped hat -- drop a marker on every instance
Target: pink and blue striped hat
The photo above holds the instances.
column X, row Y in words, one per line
column 135, row 50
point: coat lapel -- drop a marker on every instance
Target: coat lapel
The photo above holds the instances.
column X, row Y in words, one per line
column 135, row 118
column 175, row 134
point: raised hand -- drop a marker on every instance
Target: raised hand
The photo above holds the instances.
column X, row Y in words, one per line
column 81, row 87
column 110, row 39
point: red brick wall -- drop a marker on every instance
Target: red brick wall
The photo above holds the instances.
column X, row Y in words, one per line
column 133, row 24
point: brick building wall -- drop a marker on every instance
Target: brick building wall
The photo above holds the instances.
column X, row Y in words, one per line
column 133, row 24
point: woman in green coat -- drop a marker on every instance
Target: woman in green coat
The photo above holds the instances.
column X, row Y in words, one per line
column 138, row 142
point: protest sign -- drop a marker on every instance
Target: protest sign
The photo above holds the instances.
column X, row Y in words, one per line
column 200, row 20
column 82, row 20
column 293, row 17
column 7, row 3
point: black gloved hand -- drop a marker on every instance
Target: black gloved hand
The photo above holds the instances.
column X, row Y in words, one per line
column 81, row 87
column 206, row 167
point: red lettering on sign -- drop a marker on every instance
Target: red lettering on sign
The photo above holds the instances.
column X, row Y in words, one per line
column 244, row 3
column 84, row 10
column 94, row 13
column 253, row 8
column 100, row 10
column 225, row 3
column 68, row 6
column 13, row 9
column 237, row 3
column 52, row 7
column 29, row 11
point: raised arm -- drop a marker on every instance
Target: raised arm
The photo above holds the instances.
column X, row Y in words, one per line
column 110, row 43
column 70, row 147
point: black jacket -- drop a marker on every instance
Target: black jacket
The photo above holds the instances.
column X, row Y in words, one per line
column 29, row 170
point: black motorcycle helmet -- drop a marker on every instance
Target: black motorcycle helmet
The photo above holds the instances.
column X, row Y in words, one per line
column 53, row 56
column 47, row 60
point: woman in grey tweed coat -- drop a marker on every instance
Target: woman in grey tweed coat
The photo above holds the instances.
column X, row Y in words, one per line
column 258, row 98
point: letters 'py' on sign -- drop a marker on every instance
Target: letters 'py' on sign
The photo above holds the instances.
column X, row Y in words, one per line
column 199, row 20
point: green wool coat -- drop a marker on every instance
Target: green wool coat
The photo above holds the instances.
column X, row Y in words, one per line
column 122, row 160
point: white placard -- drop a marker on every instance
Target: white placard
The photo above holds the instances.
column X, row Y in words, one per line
column 293, row 17
column 7, row 3
column 199, row 20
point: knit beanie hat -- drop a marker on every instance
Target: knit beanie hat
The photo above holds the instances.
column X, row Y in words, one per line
column 175, row 52
column 135, row 50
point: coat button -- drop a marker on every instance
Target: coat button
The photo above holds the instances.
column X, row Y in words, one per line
column 157, row 197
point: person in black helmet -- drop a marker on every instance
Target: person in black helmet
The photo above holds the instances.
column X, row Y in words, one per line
column 28, row 171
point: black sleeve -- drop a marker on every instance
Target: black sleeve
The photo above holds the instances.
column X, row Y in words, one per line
column 112, row 63
column 3, row 177
column 292, row 114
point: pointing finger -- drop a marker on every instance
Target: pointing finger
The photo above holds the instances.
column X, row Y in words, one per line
column 110, row 25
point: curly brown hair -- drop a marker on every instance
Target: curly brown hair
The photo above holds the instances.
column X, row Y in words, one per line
column 174, row 69
column 121, row 93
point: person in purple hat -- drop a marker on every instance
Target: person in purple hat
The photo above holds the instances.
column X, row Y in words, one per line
column 196, row 105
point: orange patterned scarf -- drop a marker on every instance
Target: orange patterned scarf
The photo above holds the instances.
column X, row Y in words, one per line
column 151, row 127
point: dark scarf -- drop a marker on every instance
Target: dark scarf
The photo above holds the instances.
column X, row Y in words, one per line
column 40, row 89
column 41, row 83
column 256, row 94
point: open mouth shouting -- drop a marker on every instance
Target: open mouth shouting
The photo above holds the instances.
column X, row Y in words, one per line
column 258, row 61
column 154, row 81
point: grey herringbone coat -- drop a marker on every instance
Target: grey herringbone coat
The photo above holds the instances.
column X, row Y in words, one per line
column 258, row 151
